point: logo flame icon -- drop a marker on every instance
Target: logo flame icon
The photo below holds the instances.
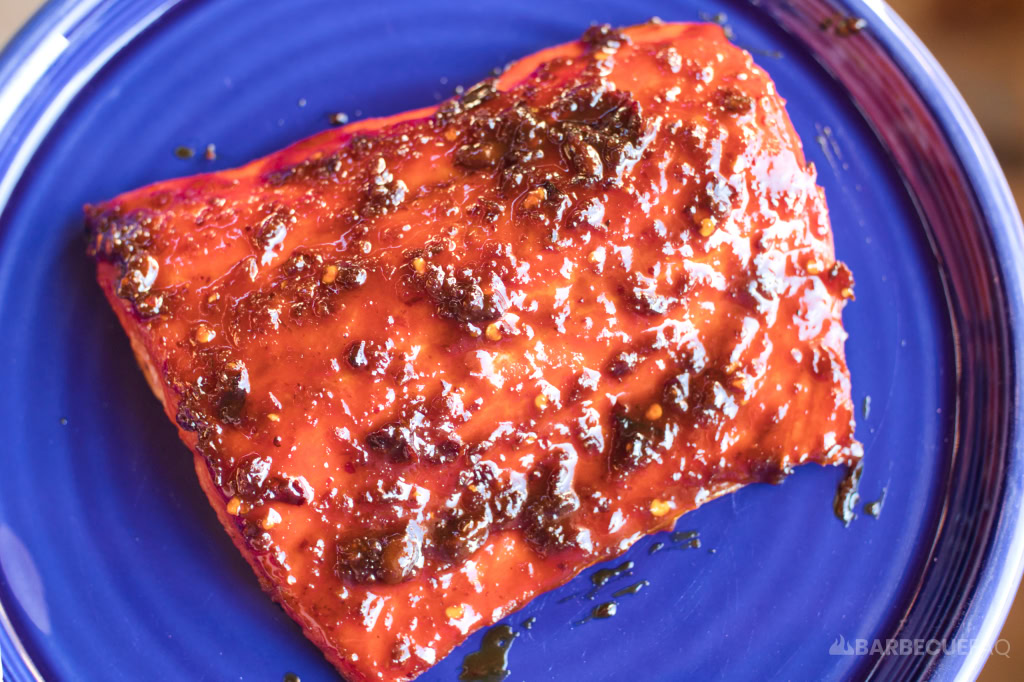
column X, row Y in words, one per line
column 841, row 647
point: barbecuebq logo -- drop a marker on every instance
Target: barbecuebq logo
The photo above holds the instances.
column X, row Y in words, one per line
column 841, row 647
column 911, row 647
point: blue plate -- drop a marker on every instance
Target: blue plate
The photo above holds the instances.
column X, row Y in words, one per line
column 113, row 567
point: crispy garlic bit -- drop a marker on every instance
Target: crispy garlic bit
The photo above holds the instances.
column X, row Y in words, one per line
column 653, row 412
column 330, row 274
column 419, row 265
column 534, row 198
column 493, row 332
column 660, row 507
column 455, row 612
column 204, row 334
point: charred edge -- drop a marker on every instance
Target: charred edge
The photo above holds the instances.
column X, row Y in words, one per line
column 125, row 240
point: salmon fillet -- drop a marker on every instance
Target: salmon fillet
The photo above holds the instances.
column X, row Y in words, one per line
column 433, row 365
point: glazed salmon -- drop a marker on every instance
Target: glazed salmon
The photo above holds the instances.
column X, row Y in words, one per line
column 434, row 365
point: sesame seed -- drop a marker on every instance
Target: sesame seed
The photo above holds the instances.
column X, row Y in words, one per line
column 234, row 506
column 455, row 612
column 419, row 265
column 707, row 227
column 493, row 332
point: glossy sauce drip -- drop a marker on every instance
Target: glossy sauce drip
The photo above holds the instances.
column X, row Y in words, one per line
column 603, row 576
column 681, row 539
column 632, row 589
column 600, row 578
column 874, row 509
column 610, row 608
column 686, row 539
column 490, row 662
column 848, row 494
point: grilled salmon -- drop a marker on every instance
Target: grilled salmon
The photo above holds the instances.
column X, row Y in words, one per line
column 433, row 365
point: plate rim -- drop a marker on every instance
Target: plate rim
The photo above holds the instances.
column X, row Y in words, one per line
column 1002, row 571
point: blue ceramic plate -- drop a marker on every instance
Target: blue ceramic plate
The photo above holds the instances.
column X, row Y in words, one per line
column 114, row 567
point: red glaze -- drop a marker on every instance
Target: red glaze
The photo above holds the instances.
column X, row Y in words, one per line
column 434, row 365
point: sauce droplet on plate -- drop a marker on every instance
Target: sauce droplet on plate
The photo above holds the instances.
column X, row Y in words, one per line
column 490, row 662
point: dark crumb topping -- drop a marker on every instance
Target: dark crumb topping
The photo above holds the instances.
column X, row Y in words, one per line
column 734, row 101
column 463, row 294
column 603, row 36
column 126, row 241
column 632, row 444
column 387, row 557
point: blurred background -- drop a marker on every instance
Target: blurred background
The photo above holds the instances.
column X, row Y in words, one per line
column 980, row 43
